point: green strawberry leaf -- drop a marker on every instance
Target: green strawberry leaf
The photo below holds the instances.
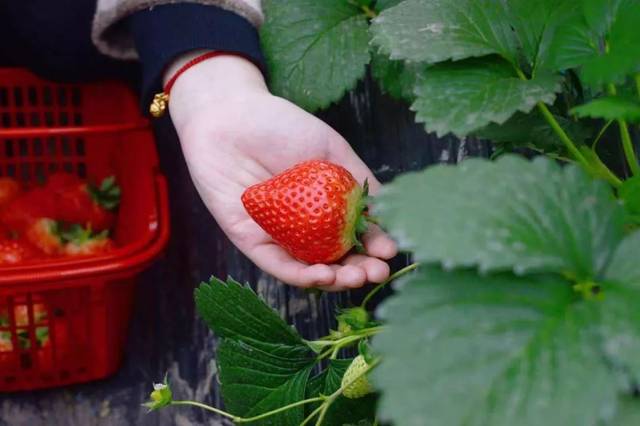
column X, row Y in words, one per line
column 511, row 214
column 610, row 108
column 315, row 50
column 624, row 266
column 573, row 43
column 531, row 130
column 628, row 412
column 620, row 325
column 264, row 364
column 491, row 350
column 629, row 193
column 234, row 311
column 343, row 410
column 397, row 78
column 603, row 40
column 599, row 15
column 438, row 30
column 535, row 23
column 621, row 317
column 622, row 55
column 255, row 381
column 464, row 96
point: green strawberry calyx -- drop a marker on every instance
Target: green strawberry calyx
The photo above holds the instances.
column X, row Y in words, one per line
column 357, row 220
column 161, row 396
column 77, row 234
column 107, row 194
column 352, row 319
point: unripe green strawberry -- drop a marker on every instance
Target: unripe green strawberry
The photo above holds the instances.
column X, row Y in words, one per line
column 352, row 319
column 361, row 386
column 314, row 210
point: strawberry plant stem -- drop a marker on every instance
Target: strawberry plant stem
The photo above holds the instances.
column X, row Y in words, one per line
column 336, row 345
column 566, row 140
column 206, row 407
column 368, row 12
column 336, row 349
column 549, row 154
column 627, row 145
column 249, row 419
column 394, row 276
column 600, row 134
column 280, row 410
column 312, row 415
column 602, row 170
column 568, row 143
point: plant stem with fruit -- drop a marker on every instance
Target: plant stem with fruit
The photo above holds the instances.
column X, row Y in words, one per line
column 627, row 145
column 394, row 276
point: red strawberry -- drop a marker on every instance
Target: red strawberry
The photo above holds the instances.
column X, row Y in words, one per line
column 14, row 251
column 65, row 198
column 27, row 208
column 79, row 202
column 44, row 234
column 9, row 190
column 82, row 242
column 315, row 210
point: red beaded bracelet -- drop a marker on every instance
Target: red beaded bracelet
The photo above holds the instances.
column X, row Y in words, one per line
column 160, row 100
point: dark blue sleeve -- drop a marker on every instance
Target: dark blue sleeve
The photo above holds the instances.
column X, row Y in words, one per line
column 164, row 32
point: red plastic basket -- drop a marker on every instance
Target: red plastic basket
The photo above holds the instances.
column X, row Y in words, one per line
column 64, row 321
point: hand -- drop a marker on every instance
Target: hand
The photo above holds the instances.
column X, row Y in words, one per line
column 234, row 134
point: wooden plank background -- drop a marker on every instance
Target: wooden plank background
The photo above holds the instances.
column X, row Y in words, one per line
column 166, row 335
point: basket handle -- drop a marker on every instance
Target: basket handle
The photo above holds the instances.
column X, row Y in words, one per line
column 30, row 132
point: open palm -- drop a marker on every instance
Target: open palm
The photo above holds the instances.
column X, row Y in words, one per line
column 249, row 138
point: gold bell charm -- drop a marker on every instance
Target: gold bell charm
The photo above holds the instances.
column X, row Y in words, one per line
column 159, row 104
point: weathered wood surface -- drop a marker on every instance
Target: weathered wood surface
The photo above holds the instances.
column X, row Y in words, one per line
column 166, row 334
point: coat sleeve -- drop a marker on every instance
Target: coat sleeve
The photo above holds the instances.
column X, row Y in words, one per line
column 164, row 32
column 111, row 34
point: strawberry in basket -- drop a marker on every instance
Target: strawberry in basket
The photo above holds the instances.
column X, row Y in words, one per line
column 9, row 190
column 83, row 242
column 44, row 234
column 14, row 251
column 80, row 202
column 57, row 239
column 65, row 198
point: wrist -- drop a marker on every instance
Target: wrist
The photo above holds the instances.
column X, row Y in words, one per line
column 218, row 80
column 220, row 76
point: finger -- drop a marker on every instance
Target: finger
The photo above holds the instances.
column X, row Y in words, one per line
column 333, row 288
column 350, row 276
column 378, row 244
column 376, row 269
column 274, row 260
column 341, row 152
